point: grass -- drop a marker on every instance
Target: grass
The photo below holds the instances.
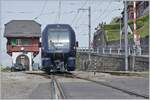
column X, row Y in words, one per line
column 113, row 30
column 5, row 69
column 113, row 35
column 144, row 31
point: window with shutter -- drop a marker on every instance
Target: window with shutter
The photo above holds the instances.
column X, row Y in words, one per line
column 13, row 42
column 20, row 42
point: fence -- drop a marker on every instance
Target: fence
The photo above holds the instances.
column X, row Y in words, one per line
column 114, row 51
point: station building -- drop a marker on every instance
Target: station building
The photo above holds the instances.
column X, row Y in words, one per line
column 23, row 41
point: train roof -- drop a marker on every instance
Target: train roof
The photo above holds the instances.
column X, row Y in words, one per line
column 59, row 25
column 22, row 28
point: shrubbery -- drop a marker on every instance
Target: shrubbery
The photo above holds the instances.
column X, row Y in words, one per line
column 113, row 30
column 5, row 69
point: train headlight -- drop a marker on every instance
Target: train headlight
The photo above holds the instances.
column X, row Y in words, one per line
column 74, row 47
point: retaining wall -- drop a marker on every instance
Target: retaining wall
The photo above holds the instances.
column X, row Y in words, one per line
column 111, row 62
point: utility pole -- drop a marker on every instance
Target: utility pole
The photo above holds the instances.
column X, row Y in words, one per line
column 89, row 33
column 126, row 35
column 59, row 12
column 136, row 35
column 89, row 26
column 0, row 37
column 120, row 33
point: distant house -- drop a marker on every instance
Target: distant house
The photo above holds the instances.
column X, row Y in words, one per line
column 142, row 8
column 23, row 41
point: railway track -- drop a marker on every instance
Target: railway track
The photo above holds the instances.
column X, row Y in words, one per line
column 108, row 85
column 117, row 88
column 58, row 93
column 55, row 86
column 56, row 89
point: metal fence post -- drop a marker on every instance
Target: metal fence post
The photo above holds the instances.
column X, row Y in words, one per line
column 140, row 51
column 97, row 50
column 129, row 51
column 118, row 51
column 103, row 50
column 109, row 50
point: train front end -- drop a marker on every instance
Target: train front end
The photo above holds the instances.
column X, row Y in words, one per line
column 58, row 48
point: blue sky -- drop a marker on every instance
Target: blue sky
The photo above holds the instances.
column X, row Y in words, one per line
column 46, row 12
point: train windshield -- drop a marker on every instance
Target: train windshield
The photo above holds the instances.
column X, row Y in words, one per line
column 58, row 39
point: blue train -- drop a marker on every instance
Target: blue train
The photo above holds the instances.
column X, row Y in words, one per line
column 58, row 48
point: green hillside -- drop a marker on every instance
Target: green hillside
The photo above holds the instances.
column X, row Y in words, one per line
column 113, row 30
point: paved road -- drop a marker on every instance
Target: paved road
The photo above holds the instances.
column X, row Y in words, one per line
column 79, row 89
column 41, row 92
column 138, row 85
column 17, row 85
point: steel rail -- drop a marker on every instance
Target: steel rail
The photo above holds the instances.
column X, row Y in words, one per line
column 61, row 92
column 71, row 75
column 53, row 90
column 114, row 87
column 68, row 74
column 56, row 89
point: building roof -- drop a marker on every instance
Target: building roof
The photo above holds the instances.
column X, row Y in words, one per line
column 22, row 28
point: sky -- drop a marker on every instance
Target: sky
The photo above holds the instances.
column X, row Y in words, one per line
column 48, row 11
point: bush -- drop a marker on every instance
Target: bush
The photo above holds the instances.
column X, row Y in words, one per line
column 112, row 27
column 5, row 69
column 142, row 28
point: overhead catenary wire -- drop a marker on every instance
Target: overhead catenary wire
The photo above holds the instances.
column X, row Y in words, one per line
column 84, row 5
column 80, row 17
column 59, row 11
column 58, row 14
column 104, row 11
column 110, row 13
column 90, row 4
column 42, row 10
column 78, row 12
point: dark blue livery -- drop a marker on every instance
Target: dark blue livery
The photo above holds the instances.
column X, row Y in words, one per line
column 58, row 48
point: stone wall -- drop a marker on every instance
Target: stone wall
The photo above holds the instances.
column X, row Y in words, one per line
column 111, row 62
column 141, row 63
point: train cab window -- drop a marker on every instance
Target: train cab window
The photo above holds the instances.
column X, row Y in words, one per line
column 58, row 39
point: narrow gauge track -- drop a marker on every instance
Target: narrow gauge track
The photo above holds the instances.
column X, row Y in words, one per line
column 70, row 75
